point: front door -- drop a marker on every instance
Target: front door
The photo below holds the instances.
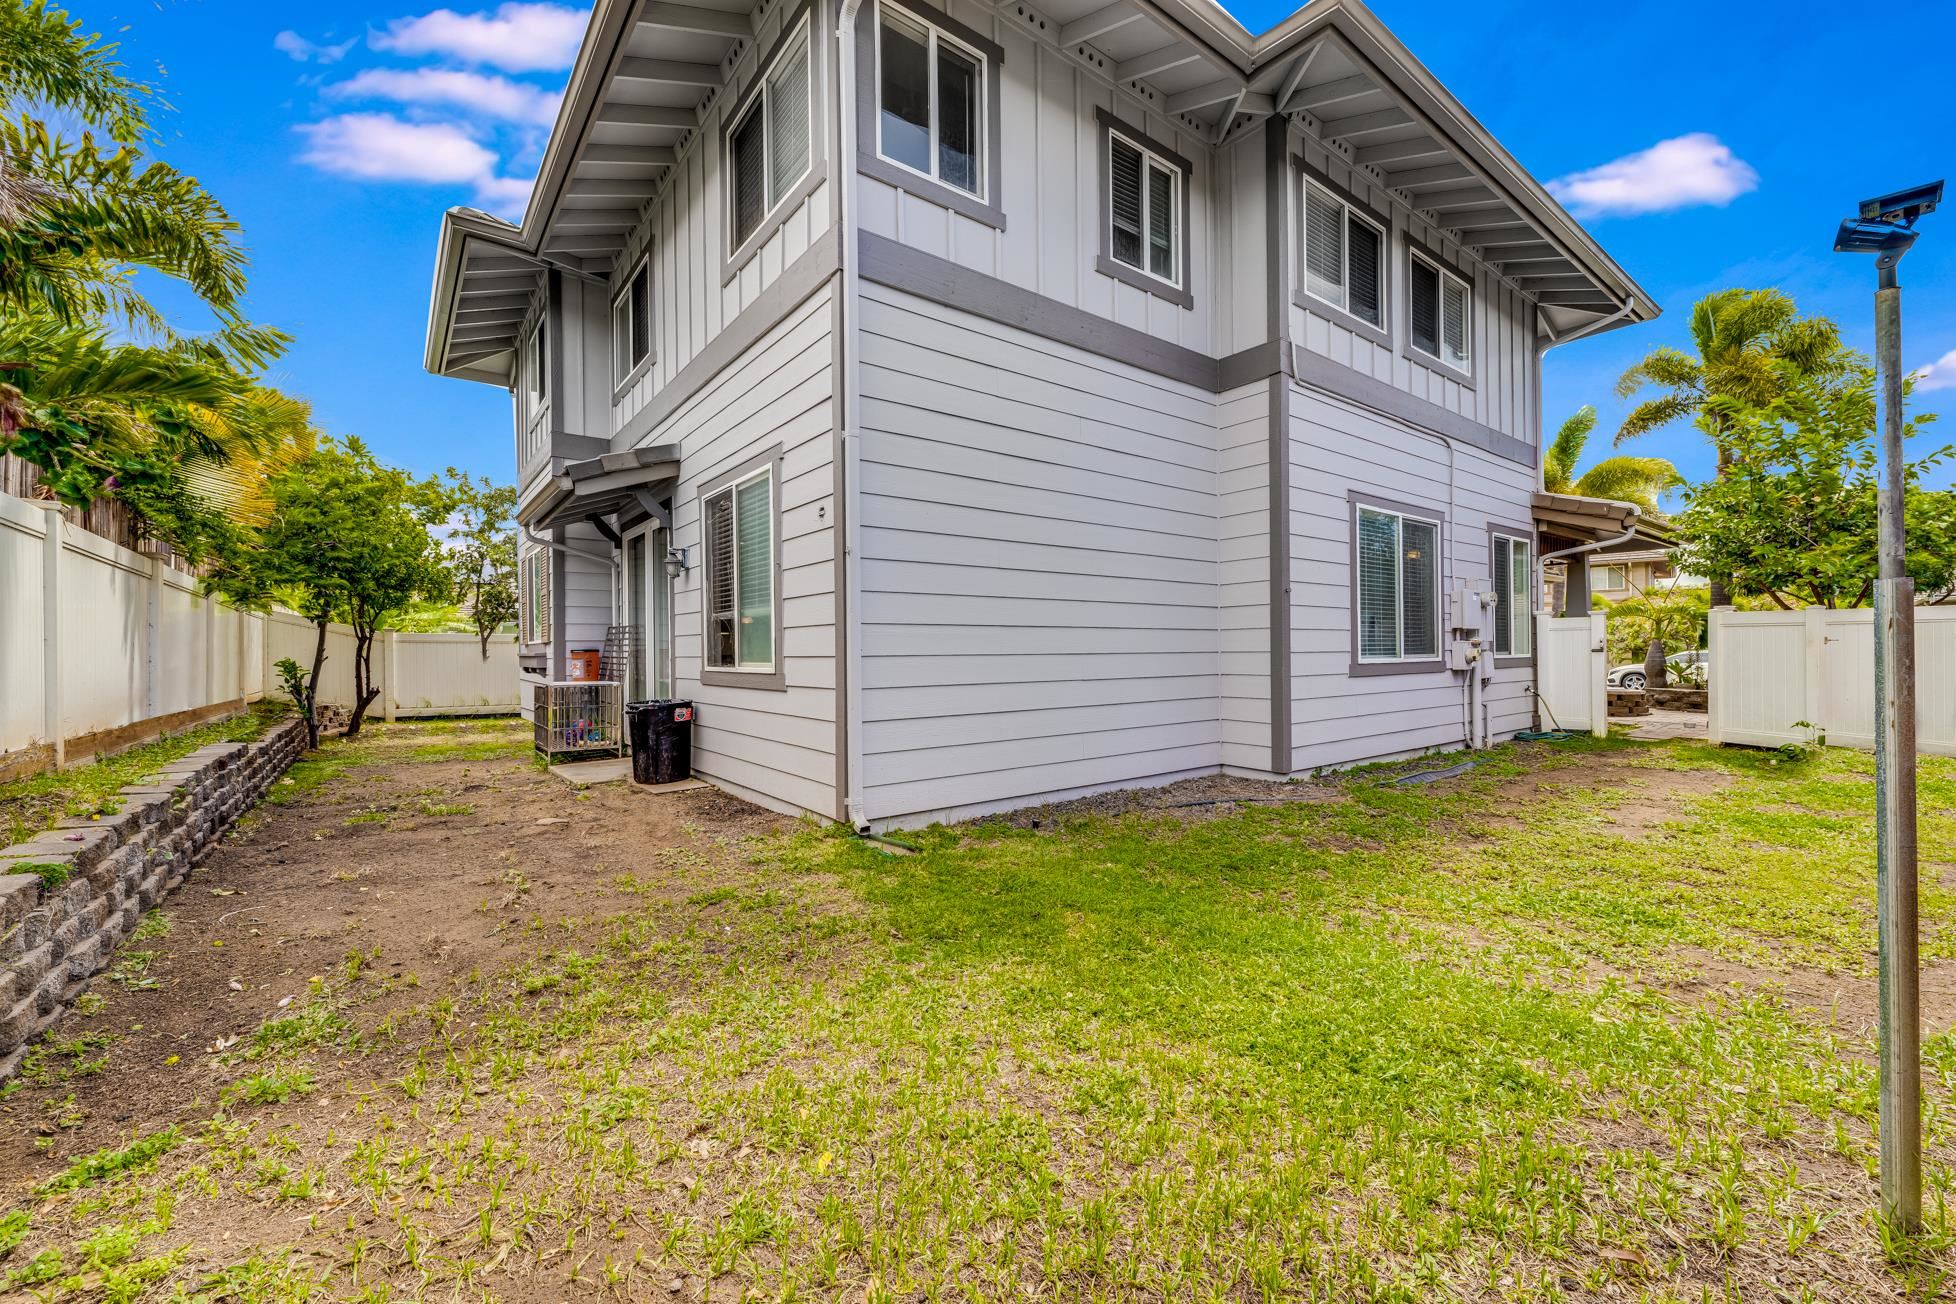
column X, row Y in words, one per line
column 648, row 611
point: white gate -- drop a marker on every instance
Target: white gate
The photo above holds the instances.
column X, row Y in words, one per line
column 1571, row 661
column 1783, row 676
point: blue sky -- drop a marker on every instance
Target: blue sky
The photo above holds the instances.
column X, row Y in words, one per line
column 338, row 142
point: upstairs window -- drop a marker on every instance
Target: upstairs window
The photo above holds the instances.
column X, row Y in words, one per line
column 533, row 584
column 535, row 366
column 1514, row 596
column 1144, row 210
column 768, row 145
column 930, row 102
column 1440, row 306
column 631, row 323
column 1344, row 256
column 1398, row 586
column 740, row 547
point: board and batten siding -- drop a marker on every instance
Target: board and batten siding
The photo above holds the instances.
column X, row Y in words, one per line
column 1039, row 568
column 772, row 746
column 1502, row 394
column 685, row 227
column 583, row 590
column 1050, row 189
column 1336, row 447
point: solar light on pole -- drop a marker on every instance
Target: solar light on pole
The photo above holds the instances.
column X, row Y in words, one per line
column 1885, row 228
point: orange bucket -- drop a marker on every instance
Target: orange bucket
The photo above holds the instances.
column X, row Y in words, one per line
column 584, row 664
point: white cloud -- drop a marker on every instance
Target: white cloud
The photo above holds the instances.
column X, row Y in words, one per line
column 517, row 37
column 480, row 93
column 380, row 147
column 298, row 47
column 1940, row 374
column 1679, row 173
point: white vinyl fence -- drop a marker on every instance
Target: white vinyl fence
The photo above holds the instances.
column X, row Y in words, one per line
column 1571, row 662
column 96, row 638
column 1773, row 670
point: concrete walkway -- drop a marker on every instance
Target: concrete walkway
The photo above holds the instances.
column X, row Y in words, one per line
column 1661, row 725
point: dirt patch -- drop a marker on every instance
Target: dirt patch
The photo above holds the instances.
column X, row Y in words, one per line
column 1185, row 799
column 419, row 873
column 1846, row 1001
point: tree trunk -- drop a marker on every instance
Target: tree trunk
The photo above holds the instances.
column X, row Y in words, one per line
column 364, row 689
column 1654, row 665
column 312, row 687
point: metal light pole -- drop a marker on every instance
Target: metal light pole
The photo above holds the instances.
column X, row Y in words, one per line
column 1885, row 229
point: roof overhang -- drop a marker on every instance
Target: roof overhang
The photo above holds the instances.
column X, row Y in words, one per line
column 602, row 486
column 649, row 70
column 1599, row 520
column 485, row 280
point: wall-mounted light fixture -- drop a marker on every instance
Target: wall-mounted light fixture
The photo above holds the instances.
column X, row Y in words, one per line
column 676, row 564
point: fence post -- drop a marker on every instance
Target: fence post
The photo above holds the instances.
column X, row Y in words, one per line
column 52, row 721
column 390, row 695
column 153, row 640
column 1599, row 669
column 210, row 649
column 1715, row 678
column 1816, row 668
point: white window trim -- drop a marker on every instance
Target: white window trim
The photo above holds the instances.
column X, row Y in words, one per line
column 730, row 488
column 983, row 117
column 1523, row 605
column 801, row 37
column 1399, row 585
column 1466, row 364
column 624, row 375
column 1348, row 211
column 1175, row 208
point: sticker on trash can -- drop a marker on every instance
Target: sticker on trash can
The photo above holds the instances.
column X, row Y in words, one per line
column 682, row 715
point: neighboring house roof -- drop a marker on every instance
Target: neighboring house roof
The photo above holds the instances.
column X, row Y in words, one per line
column 646, row 71
column 1577, row 517
column 1628, row 554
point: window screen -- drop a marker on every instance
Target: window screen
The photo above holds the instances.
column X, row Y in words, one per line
column 1514, row 589
column 1440, row 308
column 749, row 175
column 957, row 118
column 769, row 148
column 739, row 531
column 1324, row 245
column 1398, row 607
column 1365, row 256
column 631, row 323
column 1144, row 210
column 904, row 95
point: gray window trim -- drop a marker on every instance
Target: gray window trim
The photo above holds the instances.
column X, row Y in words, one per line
column 1465, row 276
column 1519, row 534
column 620, row 387
column 775, row 680
column 1388, row 257
column 869, row 162
column 1182, row 296
column 742, row 254
column 1437, row 664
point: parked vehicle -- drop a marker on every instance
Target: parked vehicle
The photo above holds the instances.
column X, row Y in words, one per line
column 1684, row 669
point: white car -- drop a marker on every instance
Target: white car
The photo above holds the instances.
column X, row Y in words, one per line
column 1684, row 670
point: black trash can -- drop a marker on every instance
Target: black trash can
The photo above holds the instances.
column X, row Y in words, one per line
column 662, row 740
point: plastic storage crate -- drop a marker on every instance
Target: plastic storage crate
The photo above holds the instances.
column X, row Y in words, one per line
column 580, row 719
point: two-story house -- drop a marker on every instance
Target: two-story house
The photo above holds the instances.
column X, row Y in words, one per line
column 970, row 405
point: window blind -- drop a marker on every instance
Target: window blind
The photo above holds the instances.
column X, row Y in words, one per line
column 754, row 562
column 1522, row 624
column 1378, row 584
column 1504, row 595
column 1454, row 322
column 1124, row 171
column 957, row 118
column 1365, row 257
column 641, row 308
column 1161, row 222
column 1324, row 245
column 720, row 579
column 1419, row 567
column 787, row 121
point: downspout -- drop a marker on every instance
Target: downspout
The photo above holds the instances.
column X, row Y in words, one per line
column 851, row 411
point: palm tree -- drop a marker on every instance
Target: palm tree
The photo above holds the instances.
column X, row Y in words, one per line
column 1639, row 480
column 1749, row 343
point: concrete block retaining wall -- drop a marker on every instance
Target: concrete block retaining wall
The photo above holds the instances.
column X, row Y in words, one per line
column 71, row 895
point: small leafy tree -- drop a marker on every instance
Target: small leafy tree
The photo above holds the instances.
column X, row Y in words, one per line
column 482, row 551
column 1794, row 517
column 346, row 539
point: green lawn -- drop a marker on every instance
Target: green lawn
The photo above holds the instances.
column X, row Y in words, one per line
column 1520, row 1036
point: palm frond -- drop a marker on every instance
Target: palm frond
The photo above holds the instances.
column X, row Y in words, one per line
column 1639, row 480
column 1653, row 414
column 1565, row 450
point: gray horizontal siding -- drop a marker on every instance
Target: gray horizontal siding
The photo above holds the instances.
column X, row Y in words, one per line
column 1335, row 447
column 1039, row 568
